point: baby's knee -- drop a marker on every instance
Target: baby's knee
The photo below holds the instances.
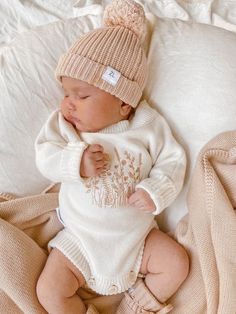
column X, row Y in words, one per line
column 180, row 264
column 47, row 290
column 44, row 291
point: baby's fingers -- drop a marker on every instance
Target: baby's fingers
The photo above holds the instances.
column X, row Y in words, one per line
column 100, row 164
column 95, row 148
column 134, row 199
column 97, row 156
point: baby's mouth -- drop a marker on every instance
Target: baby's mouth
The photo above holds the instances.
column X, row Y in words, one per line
column 73, row 120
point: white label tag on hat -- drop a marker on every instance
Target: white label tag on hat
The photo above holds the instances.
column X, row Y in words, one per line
column 111, row 76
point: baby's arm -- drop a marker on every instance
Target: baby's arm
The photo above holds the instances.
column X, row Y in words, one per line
column 166, row 177
column 59, row 150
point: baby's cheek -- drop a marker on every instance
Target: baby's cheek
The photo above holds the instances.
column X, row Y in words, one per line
column 63, row 108
column 62, row 104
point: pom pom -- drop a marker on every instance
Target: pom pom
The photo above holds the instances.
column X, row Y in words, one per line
column 126, row 13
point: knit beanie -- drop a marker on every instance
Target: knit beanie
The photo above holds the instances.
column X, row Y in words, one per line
column 112, row 57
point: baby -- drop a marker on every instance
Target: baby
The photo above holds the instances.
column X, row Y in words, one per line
column 119, row 166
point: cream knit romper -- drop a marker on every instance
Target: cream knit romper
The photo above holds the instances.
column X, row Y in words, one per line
column 103, row 236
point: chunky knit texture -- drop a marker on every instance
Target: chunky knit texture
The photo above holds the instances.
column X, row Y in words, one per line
column 126, row 13
column 111, row 58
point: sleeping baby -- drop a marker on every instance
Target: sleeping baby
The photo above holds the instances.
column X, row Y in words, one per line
column 119, row 166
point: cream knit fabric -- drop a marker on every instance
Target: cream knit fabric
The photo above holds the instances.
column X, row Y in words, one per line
column 26, row 226
column 208, row 232
column 111, row 58
column 139, row 300
column 95, row 211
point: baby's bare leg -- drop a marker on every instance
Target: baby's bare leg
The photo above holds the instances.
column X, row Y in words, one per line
column 165, row 264
column 57, row 286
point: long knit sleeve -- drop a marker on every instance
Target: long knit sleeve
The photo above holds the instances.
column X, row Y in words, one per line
column 169, row 164
column 59, row 150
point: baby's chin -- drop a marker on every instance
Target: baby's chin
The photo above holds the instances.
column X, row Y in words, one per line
column 83, row 128
column 78, row 124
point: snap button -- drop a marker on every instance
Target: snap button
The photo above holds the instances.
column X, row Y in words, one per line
column 91, row 281
column 132, row 276
column 113, row 289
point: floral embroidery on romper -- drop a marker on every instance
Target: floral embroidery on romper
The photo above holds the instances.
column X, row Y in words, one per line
column 115, row 184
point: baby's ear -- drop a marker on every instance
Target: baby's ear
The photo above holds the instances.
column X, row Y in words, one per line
column 125, row 109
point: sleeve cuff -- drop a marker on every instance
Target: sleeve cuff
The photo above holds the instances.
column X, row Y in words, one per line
column 71, row 159
column 161, row 191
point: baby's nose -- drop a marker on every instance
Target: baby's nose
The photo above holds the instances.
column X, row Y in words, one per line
column 70, row 104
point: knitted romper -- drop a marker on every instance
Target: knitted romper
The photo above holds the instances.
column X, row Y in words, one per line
column 103, row 236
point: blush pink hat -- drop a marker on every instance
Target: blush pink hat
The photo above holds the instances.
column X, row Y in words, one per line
column 112, row 57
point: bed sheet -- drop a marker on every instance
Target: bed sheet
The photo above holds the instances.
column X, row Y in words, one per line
column 21, row 15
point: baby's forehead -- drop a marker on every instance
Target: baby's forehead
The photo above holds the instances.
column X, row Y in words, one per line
column 76, row 84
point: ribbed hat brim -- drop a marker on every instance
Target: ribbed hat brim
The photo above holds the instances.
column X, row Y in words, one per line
column 82, row 68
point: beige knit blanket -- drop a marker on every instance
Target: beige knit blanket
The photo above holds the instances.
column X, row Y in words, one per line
column 208, row 232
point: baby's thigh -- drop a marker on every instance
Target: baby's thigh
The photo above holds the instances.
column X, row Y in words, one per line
column 60, row 276
column 162, row 254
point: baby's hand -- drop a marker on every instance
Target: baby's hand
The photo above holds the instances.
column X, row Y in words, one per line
column 93, row 161
column 141, row 200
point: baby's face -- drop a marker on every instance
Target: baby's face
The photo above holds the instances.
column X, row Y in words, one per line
column 89, row 108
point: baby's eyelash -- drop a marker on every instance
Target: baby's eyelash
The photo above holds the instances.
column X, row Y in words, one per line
column 76, row 96
column 84, row 97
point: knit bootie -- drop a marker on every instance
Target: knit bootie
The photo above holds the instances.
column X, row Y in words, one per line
column 92, row 309
column 139, row 300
